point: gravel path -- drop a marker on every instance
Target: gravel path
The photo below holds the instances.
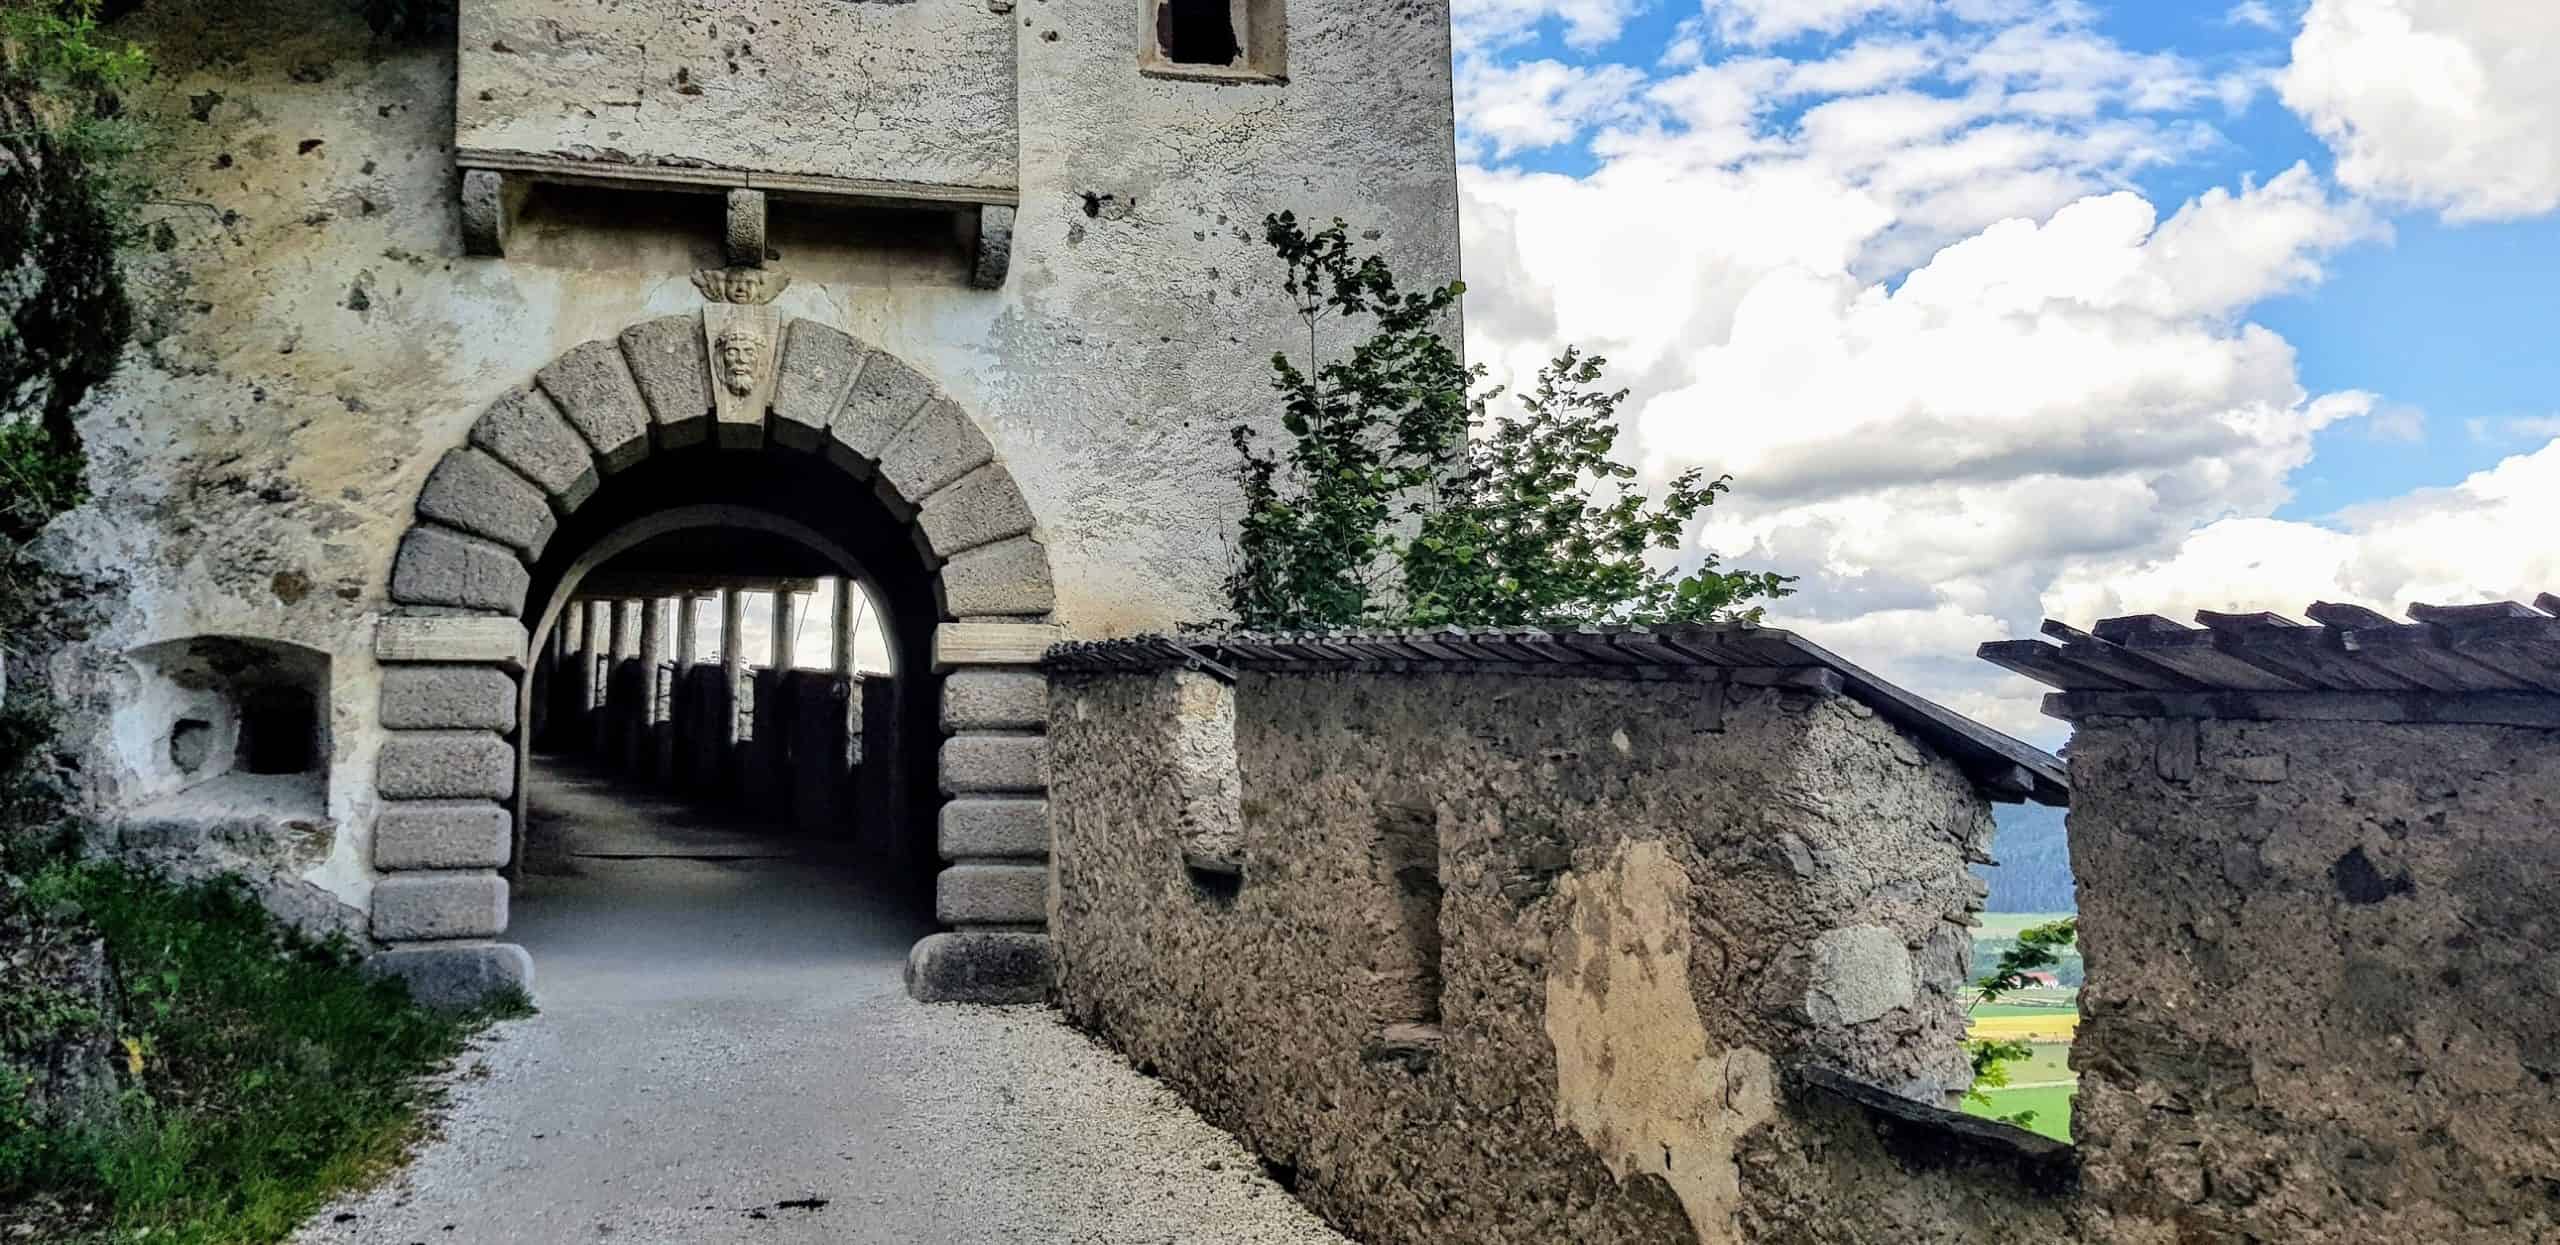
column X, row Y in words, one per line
column 725, row 1053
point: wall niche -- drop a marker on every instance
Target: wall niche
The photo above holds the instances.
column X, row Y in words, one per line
column 223, row 719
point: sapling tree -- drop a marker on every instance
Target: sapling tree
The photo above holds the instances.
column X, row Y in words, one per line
column 2039, row 947
column 1399, row 499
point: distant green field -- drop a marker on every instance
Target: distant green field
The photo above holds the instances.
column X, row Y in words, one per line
column 2051, row 1104
column 2007, row 924
column 2050, row 1062
column 2005, row 1008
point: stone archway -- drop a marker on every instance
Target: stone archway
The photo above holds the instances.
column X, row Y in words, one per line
column 455, row 645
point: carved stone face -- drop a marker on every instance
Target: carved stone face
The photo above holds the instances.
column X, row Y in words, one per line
column 741, row 359
column 743, row 285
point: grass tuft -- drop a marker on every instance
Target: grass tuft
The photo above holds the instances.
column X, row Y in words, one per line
column 263, row 1072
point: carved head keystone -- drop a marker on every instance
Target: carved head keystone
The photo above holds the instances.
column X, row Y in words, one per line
column 741, row 348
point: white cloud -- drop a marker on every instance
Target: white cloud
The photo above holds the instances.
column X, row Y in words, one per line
column 2487, row 538
column 1762, row 22
column 2514, row 428
column 1897, row 288
column 2253, row 13
column 1482, row 25
column 1533, row 104
column 2447, row 104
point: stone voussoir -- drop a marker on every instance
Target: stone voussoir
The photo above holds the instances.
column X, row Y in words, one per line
column 471, row 904
column 988, row 699
column 526, row 431
column 474, row 492
column 981, row 966
column 595, row 391
column 884, row 397
column 442, row 834
column 674, row 375
column 448, row 698
column 1006, row 579
column 992, row 894
column 936, row 448
column 993, row 828
column 440, row 566
column 979, row 508
column 445, row 765
column 819, row 366
column 456, row 976
column 974, row 764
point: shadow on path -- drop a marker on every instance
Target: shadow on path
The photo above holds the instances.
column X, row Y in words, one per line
column 726, row 1052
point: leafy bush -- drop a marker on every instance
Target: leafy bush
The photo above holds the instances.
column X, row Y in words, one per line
column 69, row 75
column 39, row 479
column 1398, row 502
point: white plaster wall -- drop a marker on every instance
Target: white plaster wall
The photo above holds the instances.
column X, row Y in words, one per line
column 312, row 338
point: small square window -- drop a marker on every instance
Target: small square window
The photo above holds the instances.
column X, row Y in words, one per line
column 1217, row 40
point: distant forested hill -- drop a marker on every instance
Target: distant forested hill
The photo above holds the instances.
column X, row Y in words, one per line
column 2034, row 874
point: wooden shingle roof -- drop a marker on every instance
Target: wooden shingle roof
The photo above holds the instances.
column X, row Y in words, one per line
column 2497, row 662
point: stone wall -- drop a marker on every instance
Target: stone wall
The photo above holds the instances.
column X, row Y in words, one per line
column 2323, row 999
column 311, row 339
column 915, row 92
column 1508, row 959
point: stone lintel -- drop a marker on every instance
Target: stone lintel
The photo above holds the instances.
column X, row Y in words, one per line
column 443, row 638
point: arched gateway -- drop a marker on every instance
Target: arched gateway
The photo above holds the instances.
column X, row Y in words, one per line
column 736, row 417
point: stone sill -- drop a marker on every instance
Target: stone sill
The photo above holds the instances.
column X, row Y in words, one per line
column 1413, row 1047
column 1926, row 1136
column 1233, row 75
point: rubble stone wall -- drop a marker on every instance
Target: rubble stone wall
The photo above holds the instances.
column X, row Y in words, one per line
column 1502, row 959
column 2323, row 999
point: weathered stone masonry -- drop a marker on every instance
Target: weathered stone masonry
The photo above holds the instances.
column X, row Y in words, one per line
column 418, row 317
column 1526, row 937
column 484, row 519
column 2320, row 905
column 1508, row 949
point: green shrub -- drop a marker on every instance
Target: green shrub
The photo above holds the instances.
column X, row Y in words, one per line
column 263, row 1072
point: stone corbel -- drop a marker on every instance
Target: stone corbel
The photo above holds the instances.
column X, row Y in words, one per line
column 995, row 247
column 744, row 236
column 489, row 202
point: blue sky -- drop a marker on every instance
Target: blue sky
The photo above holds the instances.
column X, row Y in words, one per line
column 2000, row 309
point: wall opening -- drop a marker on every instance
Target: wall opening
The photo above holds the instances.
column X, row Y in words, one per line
column 2021, row 1029
column 218, row 718
column 1212, row 813
column 1198, row 32
column 701, row 590
column 279, row 731
column 1220, row 39
column 1409, row 852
